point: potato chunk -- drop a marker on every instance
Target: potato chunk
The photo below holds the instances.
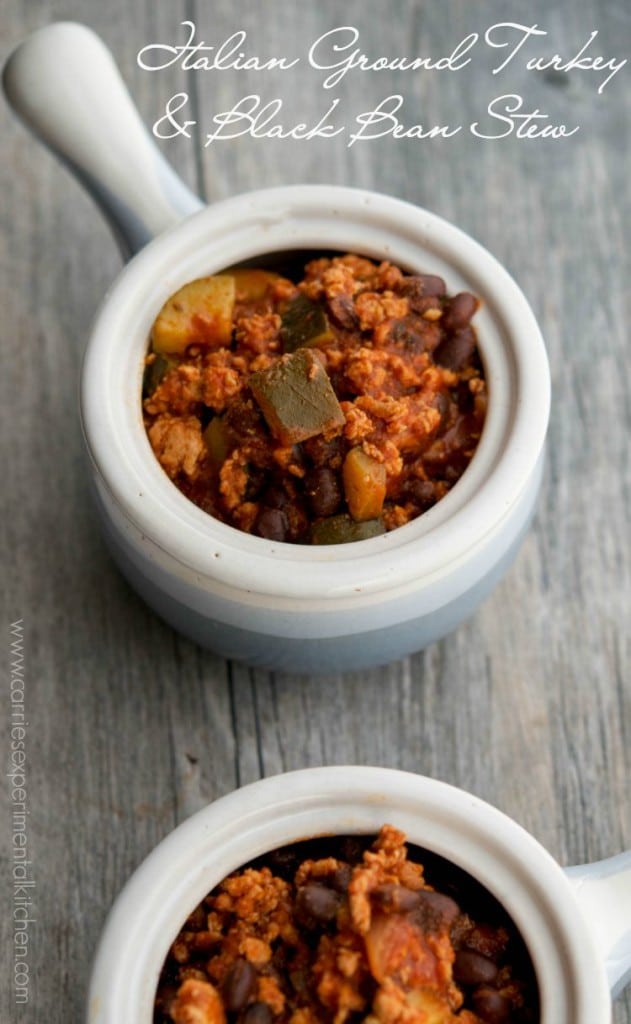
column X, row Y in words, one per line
column 200, row 313
column 364, row 485
column 252, row 284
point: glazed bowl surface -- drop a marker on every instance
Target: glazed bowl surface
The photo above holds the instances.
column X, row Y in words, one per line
column 301, row 607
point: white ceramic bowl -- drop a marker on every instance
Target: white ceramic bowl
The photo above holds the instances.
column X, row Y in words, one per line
column 277, row 605
column 576, row 925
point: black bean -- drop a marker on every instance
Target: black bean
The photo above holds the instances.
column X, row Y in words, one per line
column 284, row 862
column 257, row 1013
column 473, row 968
column 323, row 491
column 244, row 418
column 323, row 452
column 341, row 878
column 342, row 310
column 431, row 305
column 395, row 898
column 272, row 524
column 238, row 985
column 456, row 349
column 276, row 496
column 316, row 902
column 433, row 285
column 435, row 910
column 423, row 285
column 459, row 311
column 422, row 492
column 491, row 1005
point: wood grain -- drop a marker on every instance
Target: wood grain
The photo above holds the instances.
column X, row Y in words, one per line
column 529, row 704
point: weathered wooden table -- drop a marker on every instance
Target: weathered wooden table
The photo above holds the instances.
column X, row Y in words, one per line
column 130, row 727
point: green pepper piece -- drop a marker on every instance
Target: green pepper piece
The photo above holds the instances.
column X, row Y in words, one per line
column 296, row 397
column 304, row 323
column 341, row 529
column 154, row 372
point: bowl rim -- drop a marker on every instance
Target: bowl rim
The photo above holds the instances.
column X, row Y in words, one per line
column 304, row 216
column 280, row 809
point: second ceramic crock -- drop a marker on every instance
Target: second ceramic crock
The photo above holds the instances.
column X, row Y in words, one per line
column 543, row 902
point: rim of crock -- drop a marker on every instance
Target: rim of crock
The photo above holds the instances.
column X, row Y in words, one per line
column 275, row 811
column 312, row 218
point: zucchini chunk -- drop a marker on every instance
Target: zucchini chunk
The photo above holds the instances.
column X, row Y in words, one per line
column 296, row 397
column 304, row 323
column 154, row 372
column 341, row 529
column 252, row 284
column 217, row 441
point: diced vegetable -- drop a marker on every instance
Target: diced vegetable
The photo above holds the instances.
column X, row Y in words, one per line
column 252, row 284
column 199, row 313
column 342, row 529
column 296, row 398
column 154, row 372
column 217, row 441
column 398, row 949
column 304, row 323
column 364, row 485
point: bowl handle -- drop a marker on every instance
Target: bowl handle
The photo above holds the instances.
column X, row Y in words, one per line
column 603, row 891
column 64, row 84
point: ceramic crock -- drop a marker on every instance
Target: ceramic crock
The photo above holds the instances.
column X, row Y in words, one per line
column 276, row 605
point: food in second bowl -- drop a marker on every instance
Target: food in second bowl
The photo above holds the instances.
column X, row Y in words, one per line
column 344, row 930
column 323, row 411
